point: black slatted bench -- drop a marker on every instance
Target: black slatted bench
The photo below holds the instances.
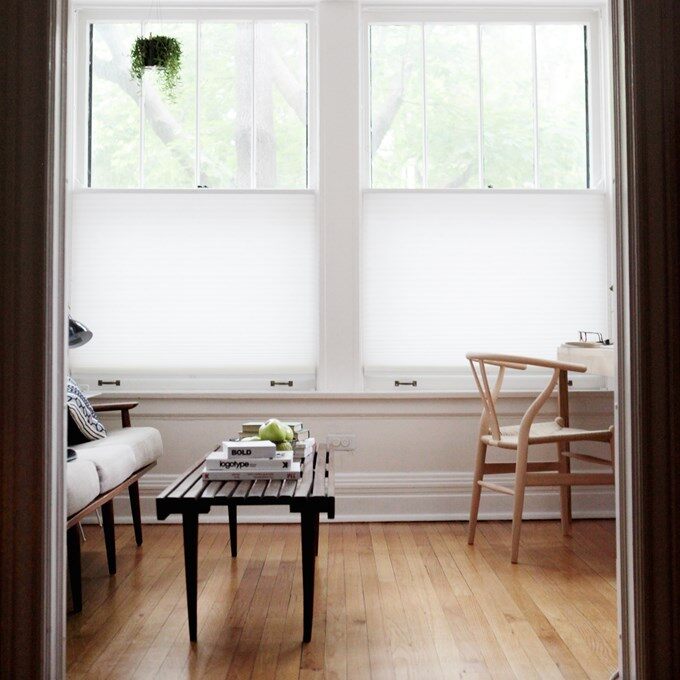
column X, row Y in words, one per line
column 190, row 496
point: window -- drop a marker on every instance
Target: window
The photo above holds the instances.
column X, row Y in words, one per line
column 463, row 105
column 446, row 190
column 194, row 249
column 238, row 118
column 510, row 252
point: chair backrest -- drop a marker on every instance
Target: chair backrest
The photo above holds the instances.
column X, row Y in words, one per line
column 478, row 364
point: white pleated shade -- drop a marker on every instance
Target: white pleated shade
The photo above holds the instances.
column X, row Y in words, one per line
column 447, row 273
column 195, row 284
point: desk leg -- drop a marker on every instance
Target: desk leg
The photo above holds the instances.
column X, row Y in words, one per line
column 190, row 531
column 309, row 526
column 564, row 461
column 233, row 530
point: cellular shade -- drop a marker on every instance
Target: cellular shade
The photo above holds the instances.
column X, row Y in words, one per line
column 448, row 273
column 195, row 285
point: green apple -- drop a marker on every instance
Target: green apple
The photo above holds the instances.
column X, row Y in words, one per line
column 273, row 430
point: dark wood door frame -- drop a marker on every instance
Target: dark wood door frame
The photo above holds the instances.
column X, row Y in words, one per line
column 31, row 340
column 647, row 53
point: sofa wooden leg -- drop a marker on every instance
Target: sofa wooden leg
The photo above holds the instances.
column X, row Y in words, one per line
column 133, row 490
column 73, row 559
column 109, row 535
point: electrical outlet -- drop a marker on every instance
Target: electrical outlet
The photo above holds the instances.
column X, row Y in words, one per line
column 341, row 442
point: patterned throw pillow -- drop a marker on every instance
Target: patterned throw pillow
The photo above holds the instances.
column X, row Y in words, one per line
column 82, row 414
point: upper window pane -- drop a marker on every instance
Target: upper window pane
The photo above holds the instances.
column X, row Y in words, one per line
column 508, row 106
column 281, row 104
column 226, row 104
column 114, row 122
column 397, row 106
column 452, row 84
column 562, row 106
column 479, row 105
column 170, row 122
column 237, row 119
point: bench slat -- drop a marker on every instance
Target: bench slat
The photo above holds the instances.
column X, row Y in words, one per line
column 273, row 488
column 243, row 488
column 258, row 488
column 212, row 489
column 305, row 484
column 187, row 483
column 288, row 488
column 226, row 490
column 197, row 489
column 319, row 486
column 170, row 489
column 330, row 471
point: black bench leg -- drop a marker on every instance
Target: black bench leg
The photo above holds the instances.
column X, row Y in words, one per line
column 316, row 536
column 309, row 524
column 109, row 535
column 133, row 490
column 190, row 531
column 73, row 559
column 233, row 530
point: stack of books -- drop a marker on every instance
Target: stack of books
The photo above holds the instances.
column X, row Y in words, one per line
column 250, row 460
column 303, row 443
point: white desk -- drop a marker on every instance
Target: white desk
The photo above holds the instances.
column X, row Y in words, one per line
column 599, row 360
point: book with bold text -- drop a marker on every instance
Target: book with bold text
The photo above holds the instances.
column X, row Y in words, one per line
column 255, row 449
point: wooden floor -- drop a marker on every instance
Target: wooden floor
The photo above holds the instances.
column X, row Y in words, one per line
column 392, row 601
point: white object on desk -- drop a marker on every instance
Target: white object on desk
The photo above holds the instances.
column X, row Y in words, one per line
column 598, row 359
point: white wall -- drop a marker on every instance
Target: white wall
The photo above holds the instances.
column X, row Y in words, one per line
column 414, row 458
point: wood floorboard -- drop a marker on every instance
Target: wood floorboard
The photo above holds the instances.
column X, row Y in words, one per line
column 391, row 601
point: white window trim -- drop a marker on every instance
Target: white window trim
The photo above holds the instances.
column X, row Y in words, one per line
column 84, row 15
column 339, row 198
column 594, row 16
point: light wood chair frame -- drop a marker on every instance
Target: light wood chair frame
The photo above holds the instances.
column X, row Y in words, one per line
column 547, row 473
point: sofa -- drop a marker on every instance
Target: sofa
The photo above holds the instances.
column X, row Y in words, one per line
column 103, row 469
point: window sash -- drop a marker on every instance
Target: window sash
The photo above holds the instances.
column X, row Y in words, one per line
column 87, row 16
column 596, row 113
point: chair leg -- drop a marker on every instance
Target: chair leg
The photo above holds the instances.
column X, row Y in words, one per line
column 133, row 490
column 73, row 560
column 109, row 535
column 476, row 490
column 565, row 492
column 520, row 486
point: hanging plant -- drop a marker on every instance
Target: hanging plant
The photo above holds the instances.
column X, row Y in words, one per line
column 160, row 52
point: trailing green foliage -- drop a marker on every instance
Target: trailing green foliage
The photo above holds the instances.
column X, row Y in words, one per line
column 161, row 52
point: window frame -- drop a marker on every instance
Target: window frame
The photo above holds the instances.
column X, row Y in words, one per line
column 600, row 169
column 86, row 16
column 597, row 112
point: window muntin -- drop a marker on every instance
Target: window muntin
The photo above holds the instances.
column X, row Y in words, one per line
column 238, row 120
column 474, row 105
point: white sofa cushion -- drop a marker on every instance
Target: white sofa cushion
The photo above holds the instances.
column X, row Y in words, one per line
column 121, row 453
column 82, row 484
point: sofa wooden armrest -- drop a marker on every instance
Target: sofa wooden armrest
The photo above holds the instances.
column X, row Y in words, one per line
column 123, row 406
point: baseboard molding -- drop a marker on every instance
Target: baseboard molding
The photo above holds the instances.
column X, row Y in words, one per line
column 397, row 497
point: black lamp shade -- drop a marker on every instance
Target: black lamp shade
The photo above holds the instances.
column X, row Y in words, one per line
column 78, row 333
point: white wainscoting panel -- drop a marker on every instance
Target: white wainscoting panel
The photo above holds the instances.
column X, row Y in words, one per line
column 414, row 457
